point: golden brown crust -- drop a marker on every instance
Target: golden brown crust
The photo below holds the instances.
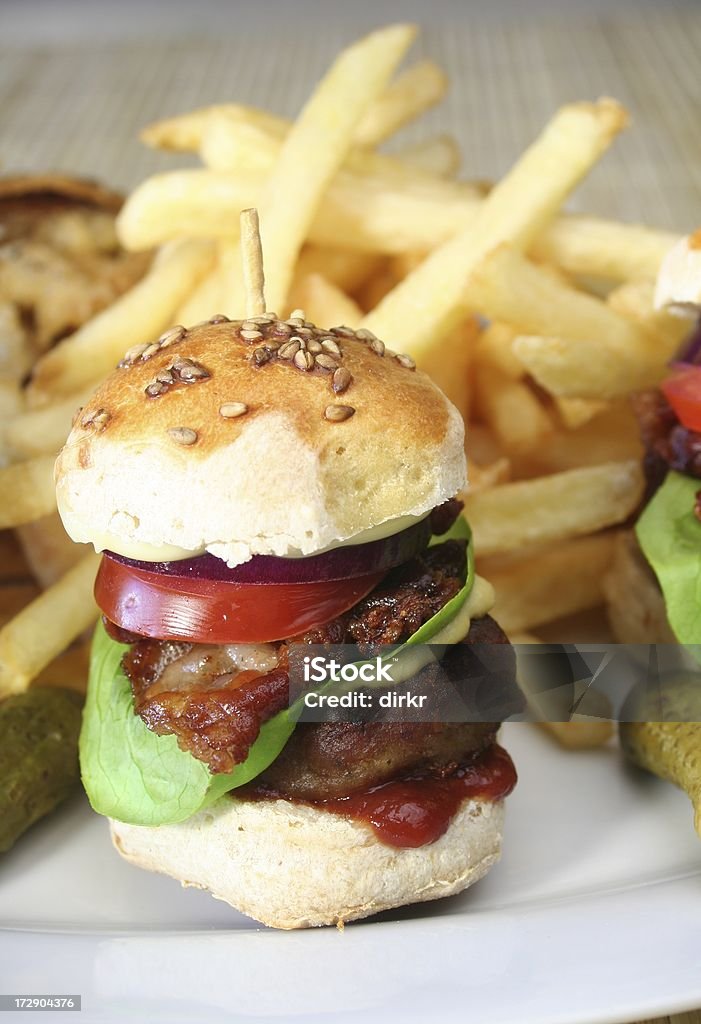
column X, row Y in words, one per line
column 357, row 438
column 219, row 369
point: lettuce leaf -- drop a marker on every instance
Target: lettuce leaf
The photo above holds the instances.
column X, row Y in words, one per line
column 135, row 776
column 670, row 536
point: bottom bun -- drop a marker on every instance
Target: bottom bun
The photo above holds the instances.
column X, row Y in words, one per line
column 291, row 865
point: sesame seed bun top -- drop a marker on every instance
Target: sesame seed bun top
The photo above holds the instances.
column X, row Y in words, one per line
column 256, row 437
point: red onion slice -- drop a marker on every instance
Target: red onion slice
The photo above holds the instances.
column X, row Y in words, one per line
column 337, row 564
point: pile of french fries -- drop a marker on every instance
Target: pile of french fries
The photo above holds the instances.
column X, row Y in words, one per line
column 536, row 323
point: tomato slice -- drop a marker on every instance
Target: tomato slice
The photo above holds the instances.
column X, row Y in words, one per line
column 683, row 392
column 216, row 612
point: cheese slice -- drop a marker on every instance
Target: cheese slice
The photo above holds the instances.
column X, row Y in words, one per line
column 142, row 552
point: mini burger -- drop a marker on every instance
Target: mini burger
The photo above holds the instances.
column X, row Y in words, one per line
column 253, row 485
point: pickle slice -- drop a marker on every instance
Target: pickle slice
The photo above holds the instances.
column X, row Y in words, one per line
column 38, row 757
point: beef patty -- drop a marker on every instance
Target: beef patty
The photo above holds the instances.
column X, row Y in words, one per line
column 214, row 699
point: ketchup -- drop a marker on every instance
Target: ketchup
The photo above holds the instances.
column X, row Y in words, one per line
column 417, row 810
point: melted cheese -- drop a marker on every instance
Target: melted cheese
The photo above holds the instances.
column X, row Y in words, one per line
column 142, row 552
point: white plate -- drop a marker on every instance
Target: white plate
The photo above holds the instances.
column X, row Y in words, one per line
column 593, row 914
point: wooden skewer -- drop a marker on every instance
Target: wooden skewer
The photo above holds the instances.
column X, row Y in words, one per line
column 252, row 260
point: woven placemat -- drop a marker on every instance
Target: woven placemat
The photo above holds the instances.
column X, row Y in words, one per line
column 78, row 107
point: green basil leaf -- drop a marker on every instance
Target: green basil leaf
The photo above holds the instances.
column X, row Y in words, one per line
column 133, row 775
column 670, row 536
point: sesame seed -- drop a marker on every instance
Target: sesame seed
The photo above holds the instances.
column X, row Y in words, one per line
column 326, row 362
column 231, row 410
column 364, row 334
column 377, row 346
column 261, row 356
column 295, row 321
column 282, row 328
column 192, row 372
column 406, row 361
column 304, row 361
column 345, row 332
column 264, row 318
column 314, row 347
column 98, row 419
column 171, row 336
column 338, row 413
column 101, row 418
column 249, row 335
column 219, row 318
column 155, row 389
column 149, row 351
column 341, row 380
column 297, row 314
column 289, row 350
column 331, row 346
column 165, row 377
column 132, row 354
column 183, row 435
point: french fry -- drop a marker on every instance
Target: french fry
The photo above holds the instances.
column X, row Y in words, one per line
column 412, row 92
column 324, row 303
column 635, row 300
column 346, row 269
column 604, row 248
column 611, row 436
column 184, row 132
column 325, row 129
column 433, row 297
column 28, row 491
column 46, row 626
column 369, row 216
column 208, row 295
column 548, row 583
column 581, row 733
column 439, row 156
column 483, row 476
column 514, row 413
column 572, row 368
column 138, row 316
column 235, row 145
column 594, row 352
column 552, row 508
column 43, row 431
column 494, row 348
column 448, row 363
column 575, row 412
